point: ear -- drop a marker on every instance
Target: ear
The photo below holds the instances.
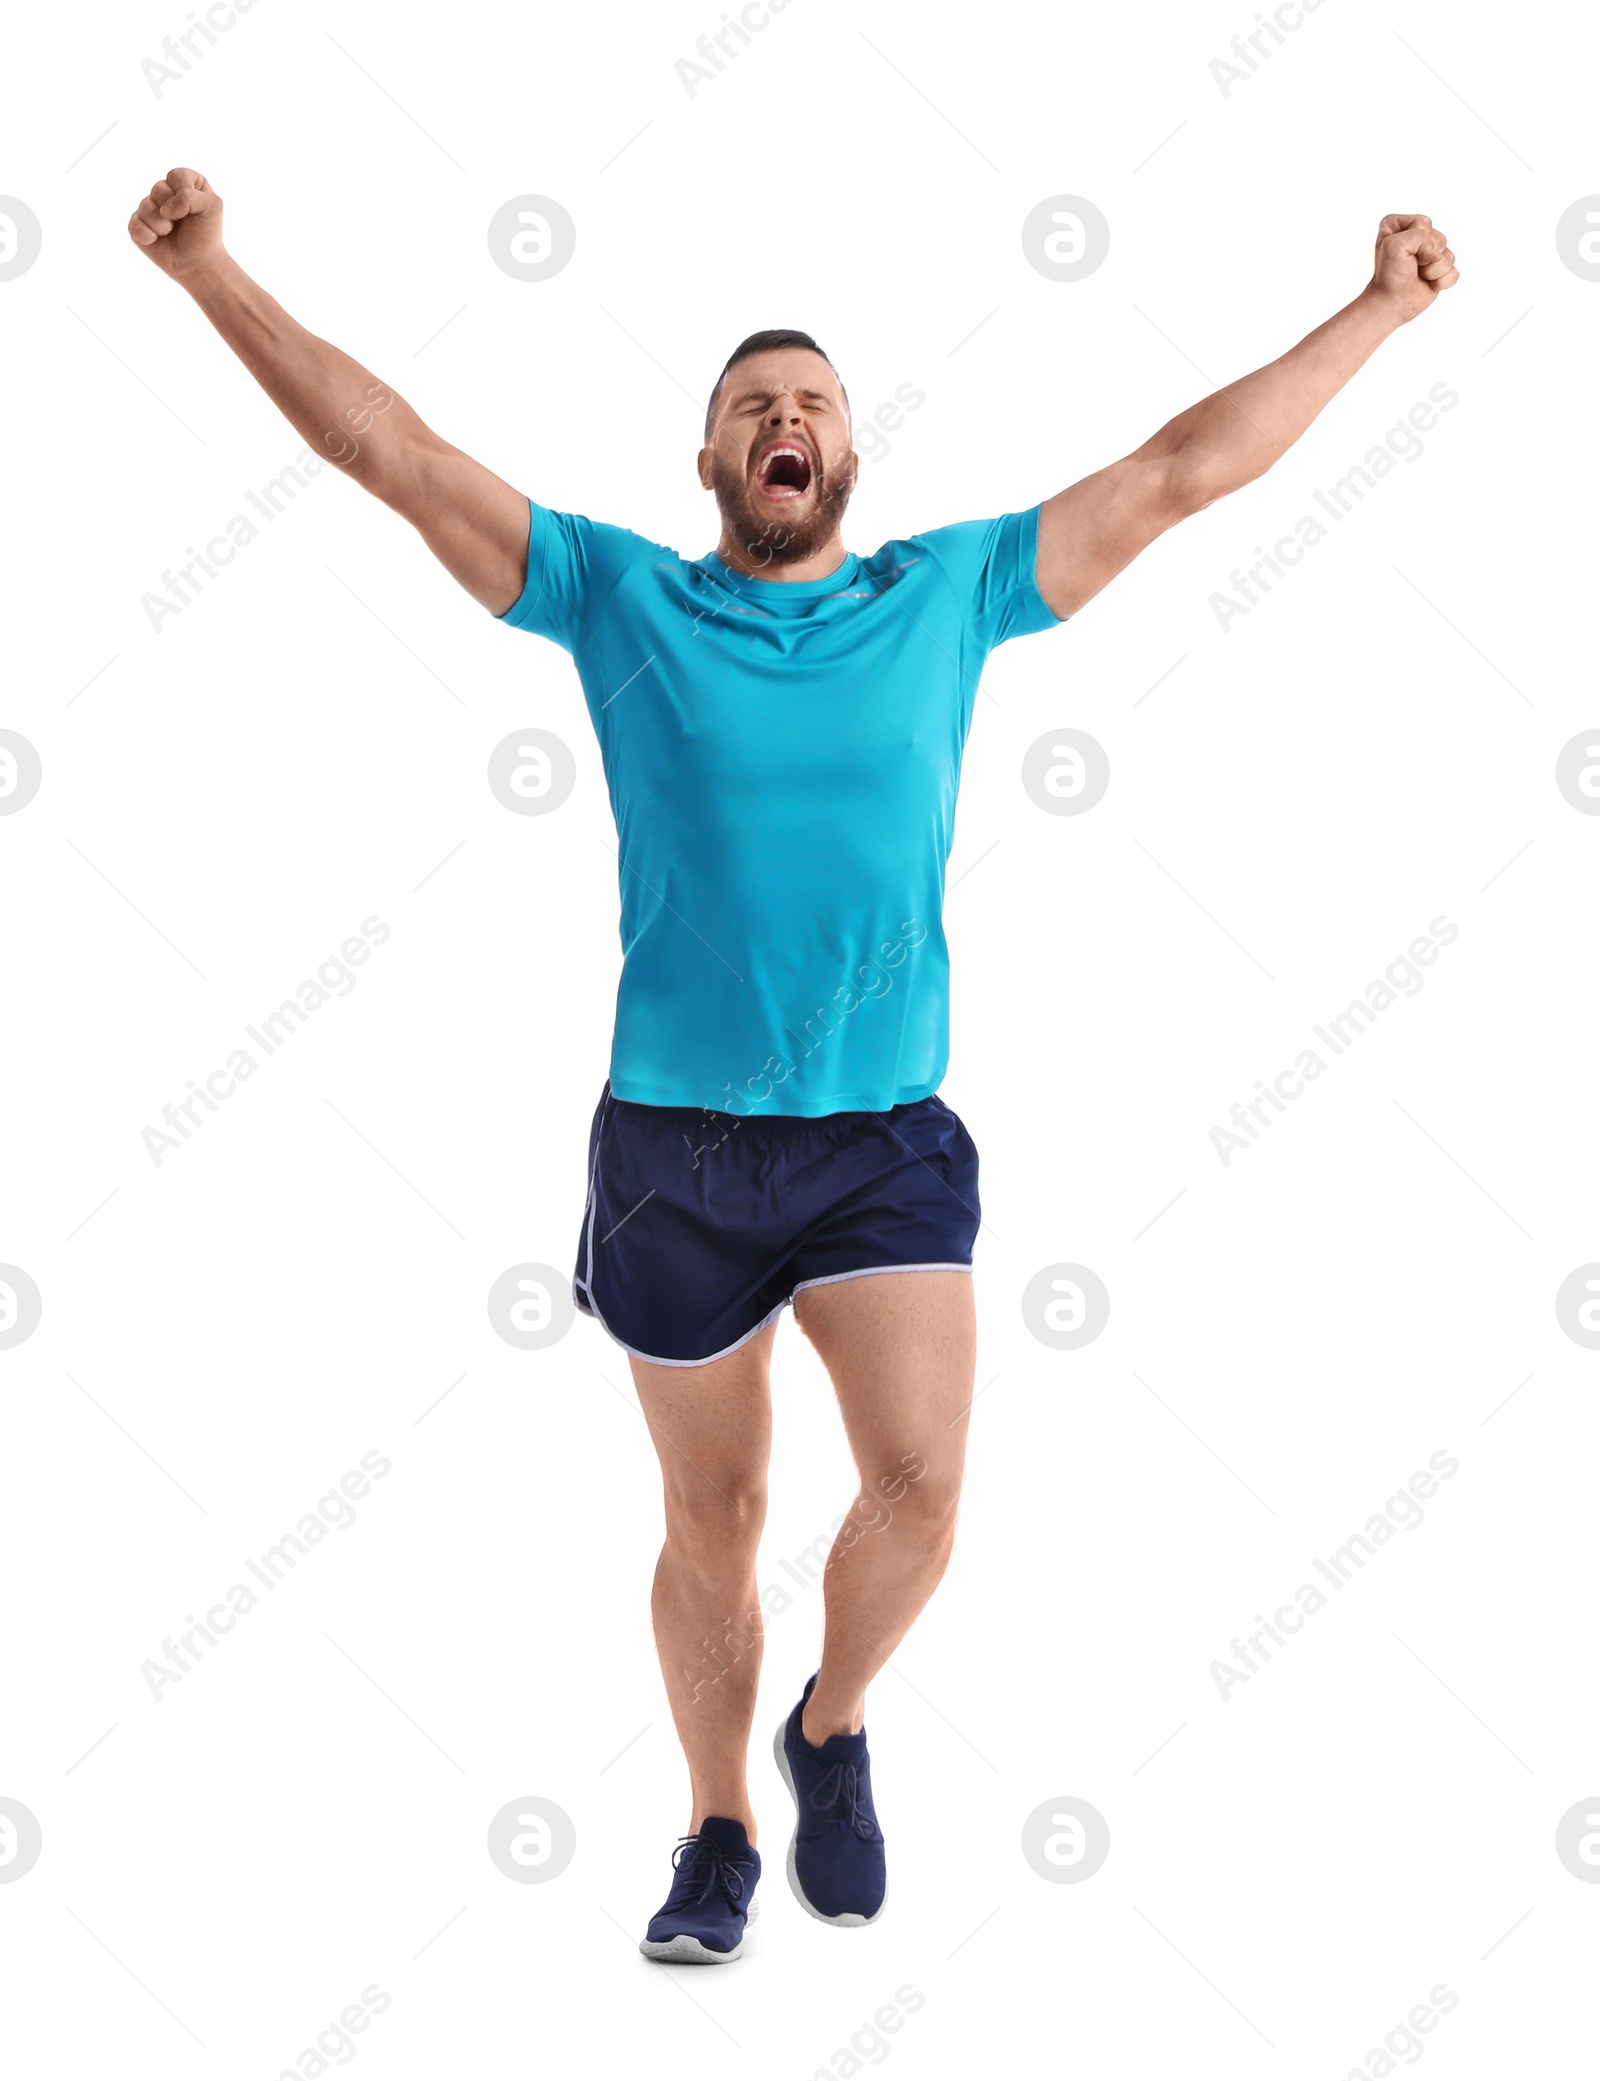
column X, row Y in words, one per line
column 702, row 463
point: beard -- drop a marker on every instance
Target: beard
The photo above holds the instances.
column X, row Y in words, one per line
column 794, row 532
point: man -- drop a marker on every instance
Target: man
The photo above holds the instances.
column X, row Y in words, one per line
column 781, row 724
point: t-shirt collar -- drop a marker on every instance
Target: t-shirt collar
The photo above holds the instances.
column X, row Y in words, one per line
column 778, row 588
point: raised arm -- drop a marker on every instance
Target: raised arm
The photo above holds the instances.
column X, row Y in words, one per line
column 473, row 521
column 1094, row 528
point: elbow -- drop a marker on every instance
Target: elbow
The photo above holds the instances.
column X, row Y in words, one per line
column 407, row 476
column 1198, row 481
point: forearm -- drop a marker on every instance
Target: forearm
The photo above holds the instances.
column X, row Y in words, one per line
column 340, row 409
column 1237, row 433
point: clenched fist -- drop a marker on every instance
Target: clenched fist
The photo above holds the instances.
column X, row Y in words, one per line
column 1412, row 264
column 179, row 223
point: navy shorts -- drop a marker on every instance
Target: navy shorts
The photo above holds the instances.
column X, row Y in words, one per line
column 701, row 1227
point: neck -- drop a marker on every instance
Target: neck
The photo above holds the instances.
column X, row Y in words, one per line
column 821, row 563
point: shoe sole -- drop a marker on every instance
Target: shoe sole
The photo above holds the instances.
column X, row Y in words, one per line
column 781, row 1757
column 688, row 1950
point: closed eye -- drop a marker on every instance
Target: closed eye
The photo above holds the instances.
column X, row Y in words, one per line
column 811, row 399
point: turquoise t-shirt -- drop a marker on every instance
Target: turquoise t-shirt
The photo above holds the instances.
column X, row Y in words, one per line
column 783, row 762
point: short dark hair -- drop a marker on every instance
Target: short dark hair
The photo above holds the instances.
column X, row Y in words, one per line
column 766, row 342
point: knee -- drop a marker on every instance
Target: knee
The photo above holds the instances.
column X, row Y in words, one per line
column 925, row 1515
column 715, row 1528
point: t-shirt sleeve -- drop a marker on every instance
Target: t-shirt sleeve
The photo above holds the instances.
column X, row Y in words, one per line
column 991, row 565
column 574, row 565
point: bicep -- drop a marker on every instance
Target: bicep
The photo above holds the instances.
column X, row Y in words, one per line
column 1096, row 527
column 474, row 522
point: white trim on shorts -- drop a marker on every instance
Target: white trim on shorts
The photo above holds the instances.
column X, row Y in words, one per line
column 831, row 1279
column 651, row 1360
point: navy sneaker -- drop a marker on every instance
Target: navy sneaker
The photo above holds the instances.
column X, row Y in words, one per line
column 703, row 1918
column 836, row 1859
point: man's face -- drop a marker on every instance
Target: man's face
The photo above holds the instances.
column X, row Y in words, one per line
column 779, row 458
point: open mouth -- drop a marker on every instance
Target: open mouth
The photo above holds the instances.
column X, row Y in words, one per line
column 784, row 471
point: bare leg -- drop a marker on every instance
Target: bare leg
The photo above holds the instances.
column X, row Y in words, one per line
column 901, row 1348
column 712, row 1427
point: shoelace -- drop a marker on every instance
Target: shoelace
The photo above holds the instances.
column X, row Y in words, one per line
column 840, row 1788
column 720, row 1869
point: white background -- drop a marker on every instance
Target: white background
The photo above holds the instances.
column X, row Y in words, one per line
column 223, row 803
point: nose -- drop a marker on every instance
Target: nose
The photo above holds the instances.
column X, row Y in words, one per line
column 784, row 407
